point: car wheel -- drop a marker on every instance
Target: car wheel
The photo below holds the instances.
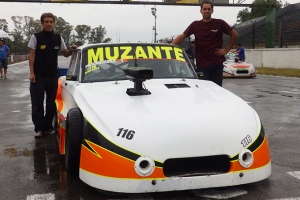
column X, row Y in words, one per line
column 73, row 141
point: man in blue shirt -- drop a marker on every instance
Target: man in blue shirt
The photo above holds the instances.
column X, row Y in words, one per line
column 241, row 52
column 4, row 53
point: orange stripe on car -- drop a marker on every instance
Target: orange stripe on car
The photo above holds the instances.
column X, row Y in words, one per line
column 59, row 101
column 261, row 158
column 60, row 107
column 240, row 66
column 106, row 163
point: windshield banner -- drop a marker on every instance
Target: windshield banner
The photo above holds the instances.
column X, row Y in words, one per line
column 104, row 54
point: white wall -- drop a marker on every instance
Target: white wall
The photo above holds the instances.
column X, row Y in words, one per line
column 274, row 57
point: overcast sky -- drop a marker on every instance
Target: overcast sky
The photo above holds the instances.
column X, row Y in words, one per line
column 123, row 22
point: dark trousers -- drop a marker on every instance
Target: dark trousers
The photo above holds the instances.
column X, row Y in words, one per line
column 212, row 73
column 43, row 85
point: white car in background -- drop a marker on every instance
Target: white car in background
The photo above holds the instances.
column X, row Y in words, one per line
column 234, row 68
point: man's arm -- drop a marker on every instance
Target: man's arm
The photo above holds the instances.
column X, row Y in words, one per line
column 31, row 65
column 8, row 52
column 66, row 53
column 178, row 39
column 233, row 37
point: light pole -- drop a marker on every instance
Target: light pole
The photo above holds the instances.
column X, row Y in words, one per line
column 153, row 11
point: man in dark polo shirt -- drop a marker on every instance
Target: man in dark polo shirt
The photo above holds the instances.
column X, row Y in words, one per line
column 44, row 47
column 208, row 43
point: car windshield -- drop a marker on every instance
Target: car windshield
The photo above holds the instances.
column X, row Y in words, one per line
column 230, row 56
column 106, row 63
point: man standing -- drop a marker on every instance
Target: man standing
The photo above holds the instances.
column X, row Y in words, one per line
column 191, row 52
column 43, row 57
column 4, row 53
column 208, row 43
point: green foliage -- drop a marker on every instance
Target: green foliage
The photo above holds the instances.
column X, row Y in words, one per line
column 26, row 26
column 258, row 9
column 4, row 25
column 97, row 35
column 64, row 29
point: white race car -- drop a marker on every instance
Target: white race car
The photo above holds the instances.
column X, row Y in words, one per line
column 134, row 118
column 233, row 67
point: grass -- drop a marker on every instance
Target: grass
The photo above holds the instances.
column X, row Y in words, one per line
column 289, row 72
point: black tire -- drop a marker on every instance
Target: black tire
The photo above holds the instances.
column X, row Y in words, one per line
column 73, row 141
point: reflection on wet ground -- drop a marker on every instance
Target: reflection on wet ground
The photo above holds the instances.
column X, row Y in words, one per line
column 49, row 167
column 33, row 169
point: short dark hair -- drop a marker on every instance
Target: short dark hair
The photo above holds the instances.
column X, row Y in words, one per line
column 193, row 42
column 207, row 2
column 44, row 15
column 239, row 44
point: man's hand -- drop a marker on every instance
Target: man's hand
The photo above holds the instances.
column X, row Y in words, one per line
column 73, row 47
column 220, row 52
column 32, row 78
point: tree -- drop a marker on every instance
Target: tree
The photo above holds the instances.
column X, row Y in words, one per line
column 83, row 32
column 243, row 15
column 97, row 35
column 258, row 9
column 64, row 29
column 4, row 25
column 30, row 27
column 17, row 33
column 26, row 26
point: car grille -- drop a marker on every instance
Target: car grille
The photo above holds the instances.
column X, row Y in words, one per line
column 242, row 71
column 196, row 166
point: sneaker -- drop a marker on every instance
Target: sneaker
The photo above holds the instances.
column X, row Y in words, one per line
column 1, row 77
column 5, row 77
column 38, row 134
column 50, row 131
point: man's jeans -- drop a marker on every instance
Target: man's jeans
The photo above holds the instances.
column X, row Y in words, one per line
column 211, row 73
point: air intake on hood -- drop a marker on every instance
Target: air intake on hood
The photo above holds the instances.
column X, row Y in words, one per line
column 177, row 85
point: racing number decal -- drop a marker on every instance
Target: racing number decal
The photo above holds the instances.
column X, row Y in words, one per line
column 246, row 140
column 126, row 133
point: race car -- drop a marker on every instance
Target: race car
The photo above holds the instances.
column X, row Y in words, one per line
column 234, row 68
column 135, row 118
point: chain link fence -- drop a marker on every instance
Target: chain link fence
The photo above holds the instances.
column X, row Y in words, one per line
column 14, row 58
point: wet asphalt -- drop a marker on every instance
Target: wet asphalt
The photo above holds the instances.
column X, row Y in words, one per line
column 33, row 169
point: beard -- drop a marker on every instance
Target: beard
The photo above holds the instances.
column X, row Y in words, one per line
column 206, row 16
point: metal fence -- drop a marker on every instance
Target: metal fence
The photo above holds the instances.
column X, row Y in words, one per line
column 13, row 58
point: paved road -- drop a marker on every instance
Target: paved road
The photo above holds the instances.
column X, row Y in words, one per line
column 33, row 169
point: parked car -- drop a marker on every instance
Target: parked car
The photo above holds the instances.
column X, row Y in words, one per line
column 234, row 68
column 134, row 118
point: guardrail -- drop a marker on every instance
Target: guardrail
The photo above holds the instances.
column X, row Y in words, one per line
column 17, row 58
column 274, row 57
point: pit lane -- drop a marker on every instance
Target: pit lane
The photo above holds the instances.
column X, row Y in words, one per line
column 33, row 169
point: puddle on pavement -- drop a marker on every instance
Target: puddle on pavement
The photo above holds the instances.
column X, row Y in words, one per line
column 13, row 152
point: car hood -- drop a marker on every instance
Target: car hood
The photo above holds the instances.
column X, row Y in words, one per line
column 180, row 118
column 232, row 63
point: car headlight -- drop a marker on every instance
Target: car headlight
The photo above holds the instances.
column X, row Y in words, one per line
column 246, row 158
column 144, row 166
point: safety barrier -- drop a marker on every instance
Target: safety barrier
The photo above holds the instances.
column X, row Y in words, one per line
column 17, row 58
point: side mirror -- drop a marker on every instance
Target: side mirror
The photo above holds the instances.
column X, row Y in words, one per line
column 71, row 77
